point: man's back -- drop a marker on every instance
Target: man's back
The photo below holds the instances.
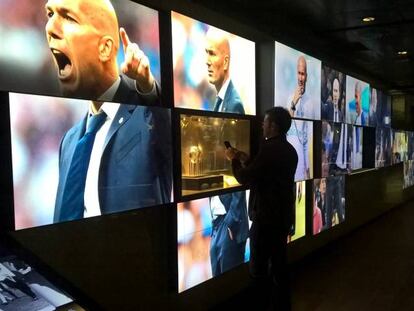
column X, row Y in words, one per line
column 271, row 178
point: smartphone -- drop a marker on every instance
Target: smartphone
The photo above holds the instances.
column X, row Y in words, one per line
column 227, row 144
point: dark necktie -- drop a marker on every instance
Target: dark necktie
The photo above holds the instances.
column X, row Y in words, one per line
column 343, row 144
column 217, row 104
column 357, row 138
column 73, row 204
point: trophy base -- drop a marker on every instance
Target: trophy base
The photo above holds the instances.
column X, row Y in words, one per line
column 202, row 182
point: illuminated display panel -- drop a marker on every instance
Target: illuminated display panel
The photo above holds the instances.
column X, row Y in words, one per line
column 300, row 135
column 357, row 101
column 208, row 63
column 205, row 249
column 333, row 93
column 357, row 147
column 337, row 148
column 23, row 288
column 203, row 162
column 50, row 52
column 399, row 147
column 328, row 202
column 408, row 174
column 300, row 212
column 297, row 82
column 380, row 109
column 132, row 168
column 383, row 147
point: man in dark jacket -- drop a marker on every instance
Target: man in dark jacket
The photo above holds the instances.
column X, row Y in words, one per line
column 270, row 176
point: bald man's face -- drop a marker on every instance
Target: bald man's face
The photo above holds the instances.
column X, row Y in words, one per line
column 217, row 61
column 335, row 92
column 302, row 74
column 73, row 34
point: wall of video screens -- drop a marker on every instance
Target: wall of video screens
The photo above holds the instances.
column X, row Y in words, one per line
column 91, row 135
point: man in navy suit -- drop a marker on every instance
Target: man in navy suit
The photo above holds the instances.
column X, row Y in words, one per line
column 83, row 36
column 229, row 211
column 331, row 110
column 130, row 164
column 360, row 118
column 126, row 162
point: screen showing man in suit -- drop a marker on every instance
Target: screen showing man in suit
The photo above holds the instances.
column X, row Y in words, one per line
column 380, row 109
column 328, row 202
column 198, row 245
column 408, row 174
column 126, row 164
column 336, row 148
column 358, row 101
column 399, row 146
column 300, row 135
column 332, row 94
column 297, row 82
column 357, row 145
column 210, row 68
column 383, row 146
column 90, row 49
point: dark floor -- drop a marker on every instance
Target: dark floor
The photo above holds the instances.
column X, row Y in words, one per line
column 370, row 269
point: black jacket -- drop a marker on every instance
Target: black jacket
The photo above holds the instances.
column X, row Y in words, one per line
column 271, row 178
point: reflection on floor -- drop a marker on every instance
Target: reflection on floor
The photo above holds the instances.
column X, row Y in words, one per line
column 370, row 269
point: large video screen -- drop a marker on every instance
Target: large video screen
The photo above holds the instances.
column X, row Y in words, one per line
column 61, row 171
column 399, row 147
column 328, row 202
column 379, row 109
column 336, row 148
column 333, row 93
column 300, row 211
column 297, row 82
column 83, row 49
column 22, row 288
column 383, row 146
column 300, row 136
column 203, row 162
column 357, row 101
column 213, row 69
column 357, row 145
column 212, row 237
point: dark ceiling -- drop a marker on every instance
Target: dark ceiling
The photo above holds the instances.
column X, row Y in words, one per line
column 333, row 31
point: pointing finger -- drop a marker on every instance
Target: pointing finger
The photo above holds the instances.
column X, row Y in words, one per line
column 124, row 38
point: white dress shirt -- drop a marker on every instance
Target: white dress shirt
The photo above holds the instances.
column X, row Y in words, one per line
column 91, row 196
column 217, row 208
column 222, row 93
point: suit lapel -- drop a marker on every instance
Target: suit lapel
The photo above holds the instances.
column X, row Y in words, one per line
column 121, row 117
column 227, row 96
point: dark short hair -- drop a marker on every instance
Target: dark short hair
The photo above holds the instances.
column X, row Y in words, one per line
column 281, row 117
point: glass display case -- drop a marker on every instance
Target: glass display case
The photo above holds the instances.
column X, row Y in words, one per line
column 204, row 166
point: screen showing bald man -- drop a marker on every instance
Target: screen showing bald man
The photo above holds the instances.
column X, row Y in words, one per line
column 333, row 85
column 90, row 49
column 213, row 69
column 297, row 83
column 358, row 101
